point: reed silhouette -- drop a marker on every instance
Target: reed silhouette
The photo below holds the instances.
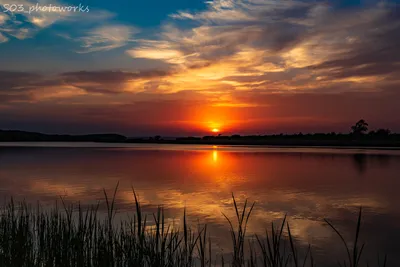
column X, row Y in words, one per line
column 72, row 236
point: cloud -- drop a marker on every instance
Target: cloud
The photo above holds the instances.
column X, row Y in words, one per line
column 22, row 24
column 27, row 19
column 278, row 45
column 3, row 38
column 253, row 64
column 11, row 79
column 232, row 11
column 126, row 101
column 34, row 87
column 370, row 53
column 106, row 38
column 112, row 82
column 158, row 50
column 3, row 18
column 109, row 76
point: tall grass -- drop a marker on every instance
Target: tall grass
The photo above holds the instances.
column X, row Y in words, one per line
column 73, row 236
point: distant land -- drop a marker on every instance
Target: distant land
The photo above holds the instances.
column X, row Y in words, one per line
column 371, row 139
column 21, row 136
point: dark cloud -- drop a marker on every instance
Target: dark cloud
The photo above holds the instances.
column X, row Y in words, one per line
column 16, row 86
column 374, row 52
column 339, row 42
column 107, row 77
column 9, row 98
column 14, row 79
column 21, row 86
column 108, row 81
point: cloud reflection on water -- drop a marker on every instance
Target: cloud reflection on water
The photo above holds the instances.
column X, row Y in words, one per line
column 306, row 186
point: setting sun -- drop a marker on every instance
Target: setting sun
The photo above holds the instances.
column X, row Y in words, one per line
column 215, row 130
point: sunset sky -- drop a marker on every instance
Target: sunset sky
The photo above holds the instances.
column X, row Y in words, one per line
column 186, row 67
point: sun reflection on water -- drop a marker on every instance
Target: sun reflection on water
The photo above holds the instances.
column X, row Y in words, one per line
column 202, row 182
column 215, row 155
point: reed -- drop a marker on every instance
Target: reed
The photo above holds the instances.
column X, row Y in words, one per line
column 72, row 236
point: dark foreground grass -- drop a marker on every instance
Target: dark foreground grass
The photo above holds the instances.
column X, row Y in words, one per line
column 71, row 236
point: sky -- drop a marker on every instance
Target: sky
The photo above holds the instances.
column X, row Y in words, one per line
column 181, row 67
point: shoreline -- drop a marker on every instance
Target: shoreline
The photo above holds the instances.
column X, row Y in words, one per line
column 323, row 140
column 281, row 143
column 260, row 145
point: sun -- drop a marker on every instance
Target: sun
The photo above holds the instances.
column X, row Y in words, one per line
column 215, row 130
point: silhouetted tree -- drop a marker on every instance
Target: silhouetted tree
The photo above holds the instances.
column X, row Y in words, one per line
column 360, row 127
column 382, row 132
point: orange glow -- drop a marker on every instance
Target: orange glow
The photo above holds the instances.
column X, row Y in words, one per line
column 215, row 130
column 215, row 155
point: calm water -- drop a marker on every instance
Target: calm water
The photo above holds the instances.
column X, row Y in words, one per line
column 308, row 184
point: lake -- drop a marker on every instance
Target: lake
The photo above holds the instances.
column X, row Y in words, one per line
column 307, row 184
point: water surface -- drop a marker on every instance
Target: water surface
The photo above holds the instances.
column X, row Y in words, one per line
column 307, row 184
